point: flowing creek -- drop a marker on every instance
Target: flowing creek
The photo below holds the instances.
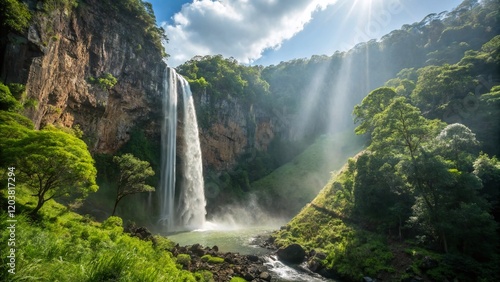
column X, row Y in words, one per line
column 243, row 240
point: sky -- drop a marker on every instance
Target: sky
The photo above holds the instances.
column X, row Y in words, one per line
column 266, row 32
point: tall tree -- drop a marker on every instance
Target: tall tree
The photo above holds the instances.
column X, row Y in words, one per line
column 133, row 175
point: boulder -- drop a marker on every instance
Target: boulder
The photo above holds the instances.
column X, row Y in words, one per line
column 197, row 250
column 293, row 253
column 265, row 276
column 253, row 258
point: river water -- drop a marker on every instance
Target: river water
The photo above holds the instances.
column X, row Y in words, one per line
column 243, row 240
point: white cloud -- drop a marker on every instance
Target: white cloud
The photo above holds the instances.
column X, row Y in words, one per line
column 242, row 29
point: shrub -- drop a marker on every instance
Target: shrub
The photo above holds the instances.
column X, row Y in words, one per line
column 105, row 81
column 184, row 259
column 7, row 101
column 211, row 259
column 112, row 222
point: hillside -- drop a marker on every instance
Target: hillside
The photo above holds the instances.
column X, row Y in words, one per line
column 299, row 180
column 258, row 118
column 422, row 201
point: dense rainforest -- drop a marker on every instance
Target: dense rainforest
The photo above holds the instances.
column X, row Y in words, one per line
column 419, row 109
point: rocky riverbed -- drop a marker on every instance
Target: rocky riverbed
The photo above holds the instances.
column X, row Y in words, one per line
column 223, row 266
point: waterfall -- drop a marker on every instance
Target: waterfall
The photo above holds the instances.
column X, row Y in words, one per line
column 192, row 203
column 189, row 212
column 168, row 147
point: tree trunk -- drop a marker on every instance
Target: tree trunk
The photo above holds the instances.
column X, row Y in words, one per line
column 399, row 229
column 445, row 242
column 114, row 208
column 39, row 205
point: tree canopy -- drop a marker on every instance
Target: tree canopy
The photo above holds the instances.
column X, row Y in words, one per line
column 52, row 163
column 133, row 176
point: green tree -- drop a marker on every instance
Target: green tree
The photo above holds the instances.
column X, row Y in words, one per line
column 447, row 188
column 375, row 182
column 373, row 104
column 133, row 175
column 13, row 127
column 14, row 16
column 457, row 143
column 402, row 128
column 54, row 164
column 437, row 86
column 488, row 170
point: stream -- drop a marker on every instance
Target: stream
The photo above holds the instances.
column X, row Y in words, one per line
column 243, row 240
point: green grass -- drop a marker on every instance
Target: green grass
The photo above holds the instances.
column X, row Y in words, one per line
column 65, row 246
column 300, row 180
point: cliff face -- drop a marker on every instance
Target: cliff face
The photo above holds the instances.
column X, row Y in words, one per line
column 236, row 129
column 65, row 49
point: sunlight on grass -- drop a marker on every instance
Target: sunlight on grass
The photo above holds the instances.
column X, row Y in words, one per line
column 64, row 246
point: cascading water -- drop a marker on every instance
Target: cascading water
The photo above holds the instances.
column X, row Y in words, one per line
column 168, row 147
column 192, row 202
column 190, row 211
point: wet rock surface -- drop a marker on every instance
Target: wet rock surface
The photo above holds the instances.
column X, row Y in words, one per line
column 223, row 266
column 293, row 253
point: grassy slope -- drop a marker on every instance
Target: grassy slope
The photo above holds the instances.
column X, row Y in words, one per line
column 64, row 246
column 300, row 180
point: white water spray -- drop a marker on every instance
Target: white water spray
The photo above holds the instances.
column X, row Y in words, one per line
column 190, row 209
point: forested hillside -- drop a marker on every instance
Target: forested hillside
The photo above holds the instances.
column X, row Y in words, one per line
column 297, row 101
column 422, row 200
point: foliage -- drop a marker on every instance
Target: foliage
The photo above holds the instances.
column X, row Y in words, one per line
column 133, row 175
column 15, row 119
column 211, row 259
column 105, row 81
column 62, row 5
column 373, row 104
column 112, row 222
column 64, row 246
column 143, row 17
column 14, row 15
column 139, row 144
column 8, row 102
column 402, row 128
column 53, row 164
column 419, row 179
column 184, row 259
column 351, row 251
column 224, row 78
column 488, row 170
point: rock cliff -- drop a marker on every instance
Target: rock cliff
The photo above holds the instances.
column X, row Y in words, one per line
column 234, row 129
column 67, row 48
